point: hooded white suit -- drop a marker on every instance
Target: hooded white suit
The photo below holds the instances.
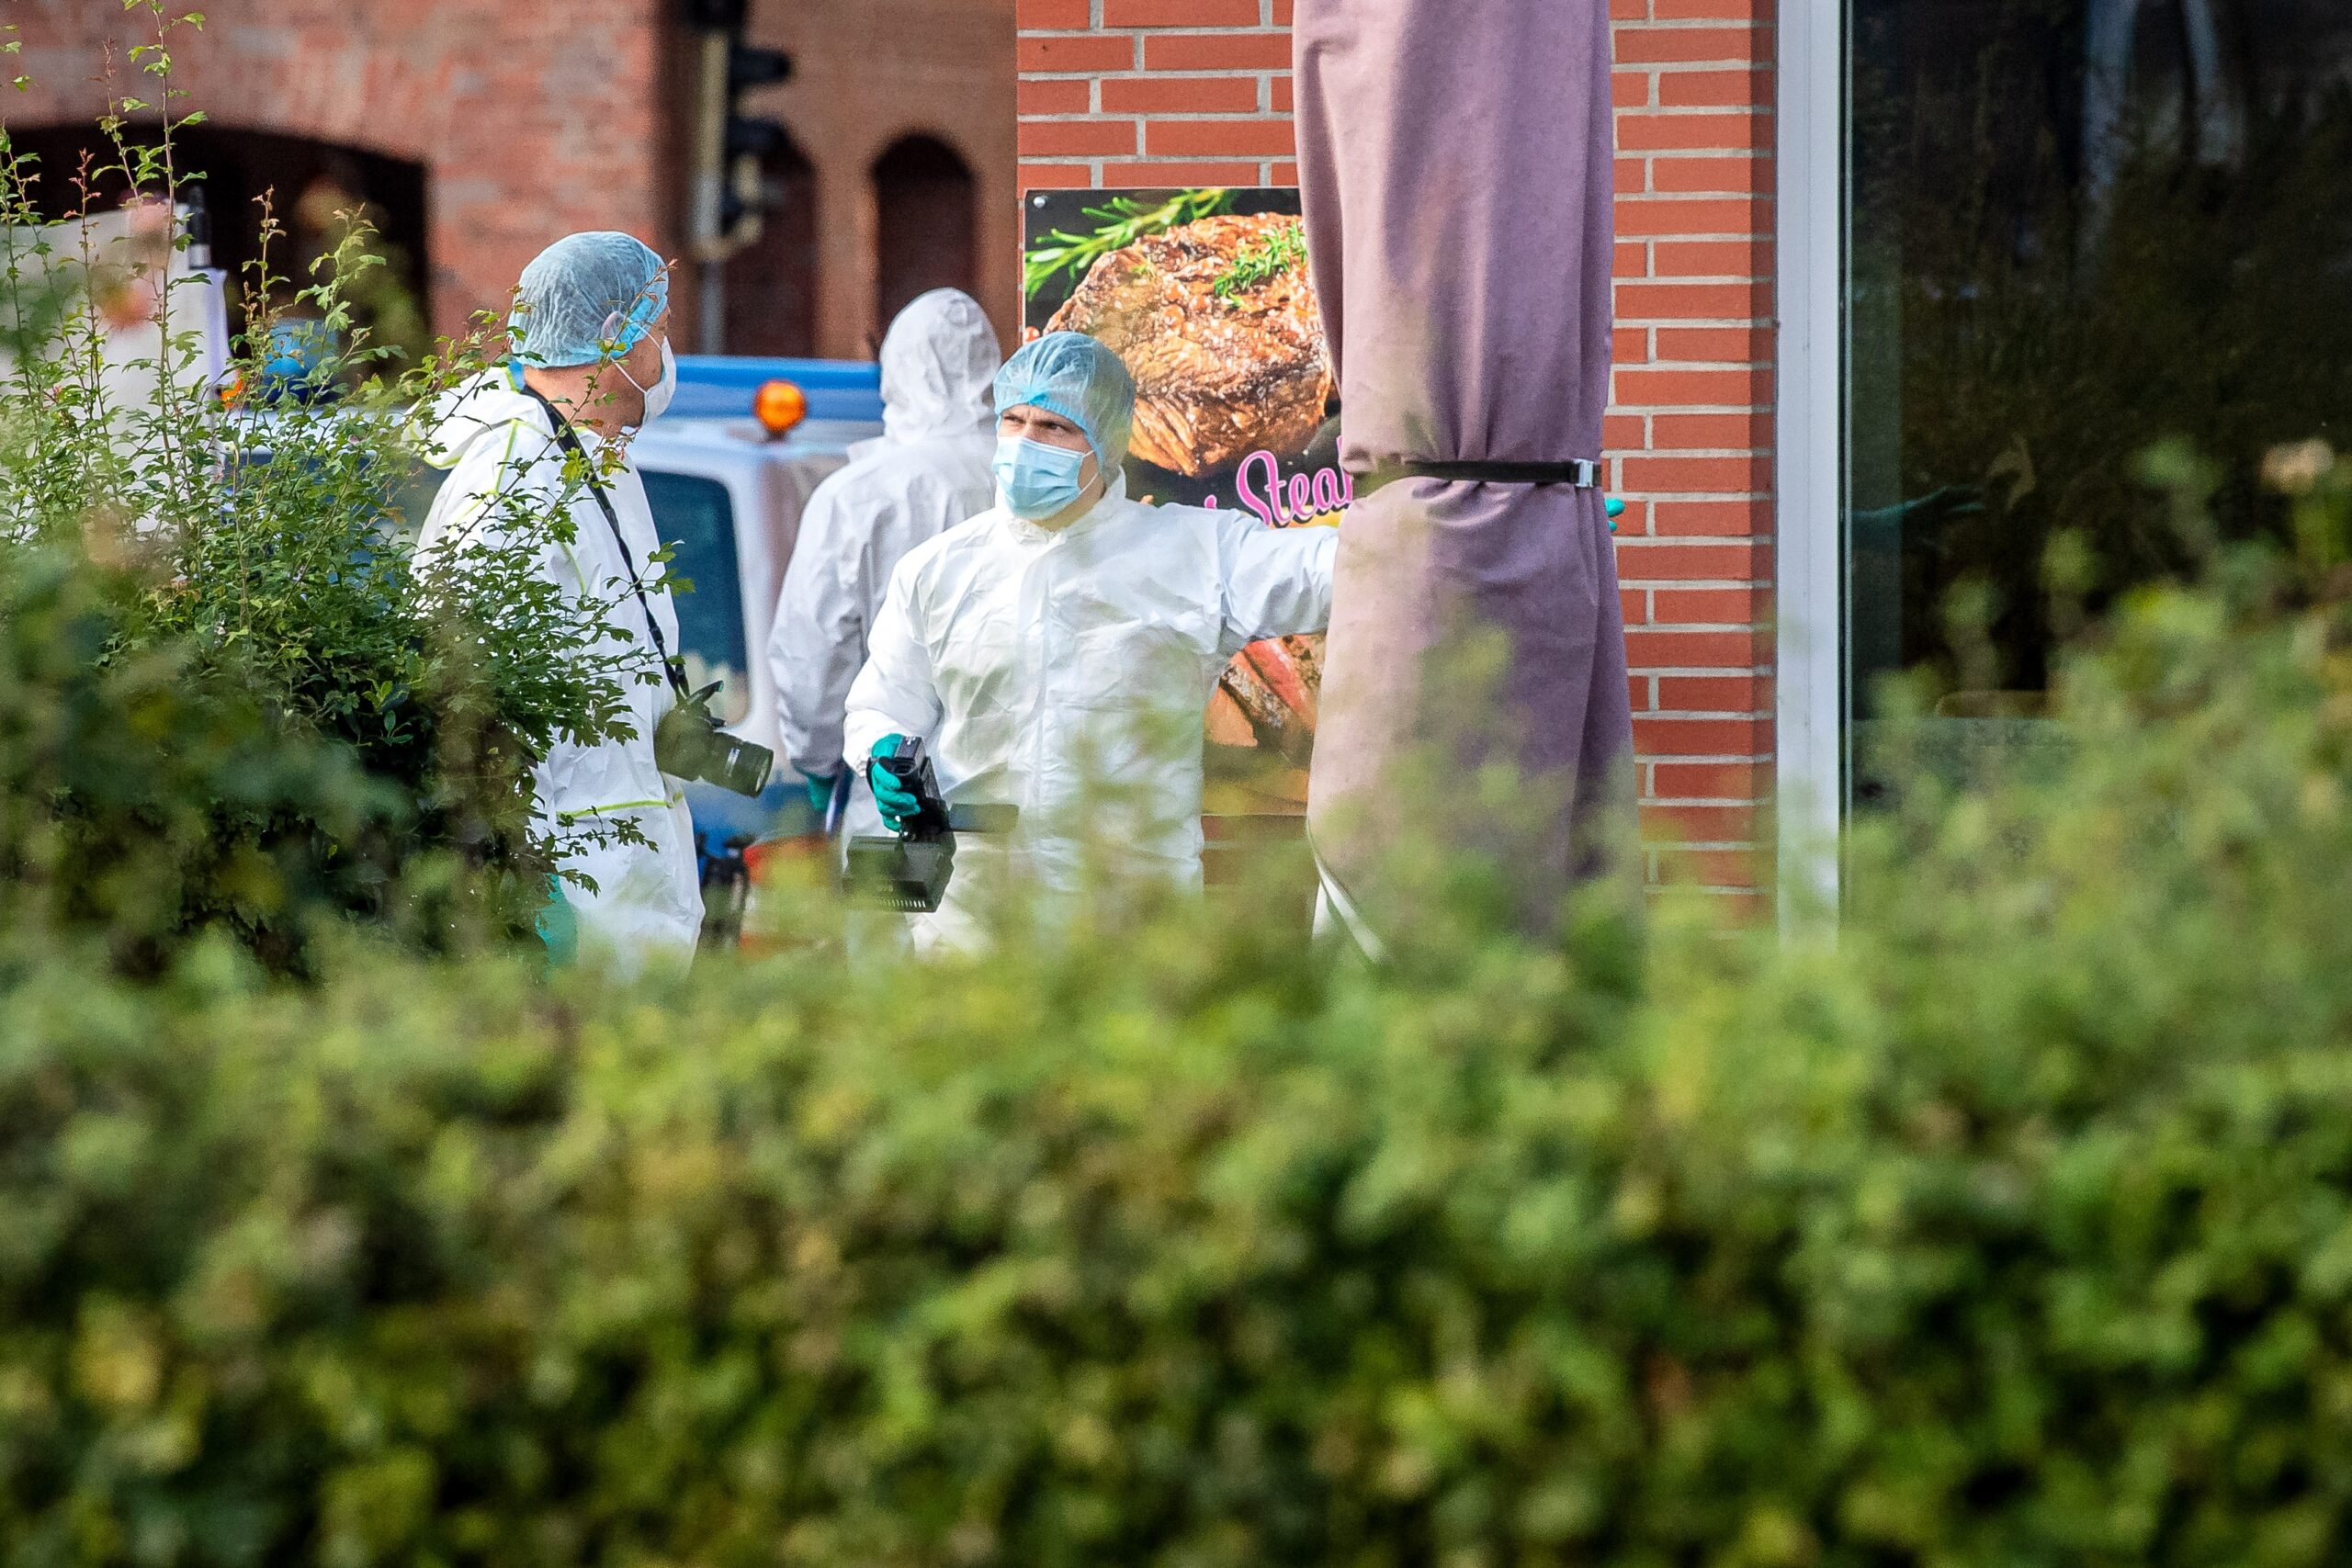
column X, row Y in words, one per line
column 927, row 473
column 496, row 441
column 1067, row 673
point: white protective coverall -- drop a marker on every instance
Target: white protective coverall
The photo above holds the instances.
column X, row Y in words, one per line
column 928, row 472
column 1067, row 673
column 494, row 440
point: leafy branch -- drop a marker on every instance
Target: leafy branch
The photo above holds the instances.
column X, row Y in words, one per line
column 1262, row 261
column 1120, row 223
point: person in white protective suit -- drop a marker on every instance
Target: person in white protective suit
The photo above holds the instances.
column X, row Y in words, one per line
column 928, row 472
column 590, row 352
column 1058, row 652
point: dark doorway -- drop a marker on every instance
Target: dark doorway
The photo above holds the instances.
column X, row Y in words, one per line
column 306, row 182
column 772, row 282
column 926, row 209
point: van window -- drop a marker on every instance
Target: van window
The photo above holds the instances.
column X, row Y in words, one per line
column 694, row 516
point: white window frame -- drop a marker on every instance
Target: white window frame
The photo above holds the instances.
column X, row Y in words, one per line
column 1808, row 466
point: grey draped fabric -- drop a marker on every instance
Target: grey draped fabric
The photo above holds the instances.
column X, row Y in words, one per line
column 1456, row 166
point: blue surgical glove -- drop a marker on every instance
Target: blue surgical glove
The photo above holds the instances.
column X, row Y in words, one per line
column 820, row 791
column 897, row 803
column 1616, row 509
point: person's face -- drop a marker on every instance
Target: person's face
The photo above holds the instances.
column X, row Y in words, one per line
column 1049, row 429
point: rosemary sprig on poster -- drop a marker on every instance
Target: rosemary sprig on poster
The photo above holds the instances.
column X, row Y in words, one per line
column 1262, row 261
column 1121, row 223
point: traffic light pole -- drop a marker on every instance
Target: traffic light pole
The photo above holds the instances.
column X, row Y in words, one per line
column 728, row 186
column 708, row 192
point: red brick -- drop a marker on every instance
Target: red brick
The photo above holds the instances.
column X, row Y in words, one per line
column 1731, row 174
column 1632, row 606
column 1714, row 89
column 1077, row 138
column 1282, row 12
column 1711, row 432
column 1690, row 650
column 1055, row 177
column 1675, row 388
column 1677, row 561
column 1706, row 606
column 1713, row 10
column 1692, row 46
column 1180, row 13
column 1686, row 475
column 1714, row 694
column 1629, row 10
column 1056, row 96
column 1624, row 432
column 1176, row 172
column 1179, row 94
column 1217, row 51
column 1630, row 346
column 1069, row 56
column 1730, row 877
column 1700, row 824
column 1691, row 301
column 1285, row 94
column 1692, row 215
column 1284, row 175
column 1633, row 523
column 1219, row 138
column 1637, row 691
column 1638, row 132
column 1714, row 345
column 1040, row 15
column 1713, row 519
column 1633, row 259
column 1715, row 258
column 1630, row 89
column 1632, row 175
column 1708, row 781
column 1666, row 736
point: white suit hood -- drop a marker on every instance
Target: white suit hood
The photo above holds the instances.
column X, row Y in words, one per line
column 927, row 474
column 939, row 365
column 481, row 408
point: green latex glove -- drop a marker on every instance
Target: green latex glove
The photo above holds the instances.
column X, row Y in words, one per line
column 897, row 802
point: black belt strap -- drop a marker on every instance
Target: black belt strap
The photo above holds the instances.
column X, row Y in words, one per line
column 1583, row 473
column 569, row 439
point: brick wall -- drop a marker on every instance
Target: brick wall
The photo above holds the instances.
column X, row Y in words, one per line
column 526, row 131
column 532, row 119
column 1177, row 92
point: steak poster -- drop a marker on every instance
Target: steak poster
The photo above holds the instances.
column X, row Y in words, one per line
column 1205, row 295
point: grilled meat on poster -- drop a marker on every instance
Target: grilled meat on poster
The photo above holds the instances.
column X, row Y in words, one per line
column 1216, row 320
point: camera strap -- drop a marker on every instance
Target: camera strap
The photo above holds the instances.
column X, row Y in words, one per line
column 569, row 439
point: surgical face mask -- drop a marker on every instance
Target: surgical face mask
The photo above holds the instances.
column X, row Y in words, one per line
column 664, row 387
column 1037, row 481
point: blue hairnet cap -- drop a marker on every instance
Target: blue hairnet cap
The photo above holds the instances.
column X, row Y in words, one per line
column 1080, row 378
column 587, row 297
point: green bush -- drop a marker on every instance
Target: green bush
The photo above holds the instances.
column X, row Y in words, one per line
column 2014, row 1227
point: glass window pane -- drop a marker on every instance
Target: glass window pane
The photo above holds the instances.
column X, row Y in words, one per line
column 694, row 517
column 2076, row 228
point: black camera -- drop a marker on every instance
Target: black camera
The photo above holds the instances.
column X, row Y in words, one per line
column 910, row 873
column 689, row 744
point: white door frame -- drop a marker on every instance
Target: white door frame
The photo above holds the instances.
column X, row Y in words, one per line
column 1808, row 479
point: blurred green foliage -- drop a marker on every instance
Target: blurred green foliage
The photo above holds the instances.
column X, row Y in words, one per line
column 2012, row 1226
